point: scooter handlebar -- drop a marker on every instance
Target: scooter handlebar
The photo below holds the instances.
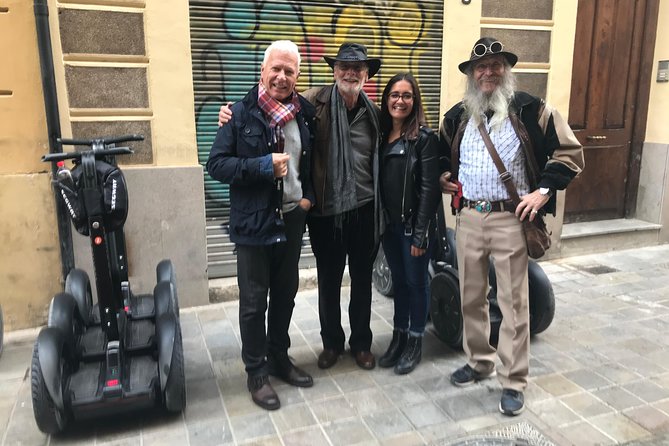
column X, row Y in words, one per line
column 77, row 155
column 103, row 141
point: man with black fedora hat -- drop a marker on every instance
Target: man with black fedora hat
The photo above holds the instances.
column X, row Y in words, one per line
column 542, row 155
column 345, row 221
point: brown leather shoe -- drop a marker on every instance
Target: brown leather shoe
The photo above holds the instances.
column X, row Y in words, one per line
column 365, row 359
column 262, row 392
column 328, row 358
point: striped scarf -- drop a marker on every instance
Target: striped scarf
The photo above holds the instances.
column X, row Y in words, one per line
column 277, row 112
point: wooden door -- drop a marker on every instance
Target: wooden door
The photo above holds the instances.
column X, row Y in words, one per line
column 608, row 54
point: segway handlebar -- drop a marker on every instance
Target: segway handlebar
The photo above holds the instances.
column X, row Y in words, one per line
column 77, row 155
column 102, row 141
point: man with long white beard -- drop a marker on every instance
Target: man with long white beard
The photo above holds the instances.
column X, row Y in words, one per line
column 541, row 153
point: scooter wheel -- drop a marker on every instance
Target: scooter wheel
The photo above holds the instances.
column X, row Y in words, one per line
column 175, row 389
column 445, row 309
column 381, row 277
column 79, row 286
column 48, row 417
column 542, row 299
column 165, row 272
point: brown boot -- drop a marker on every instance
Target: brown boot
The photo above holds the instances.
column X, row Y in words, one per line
column 262, row 392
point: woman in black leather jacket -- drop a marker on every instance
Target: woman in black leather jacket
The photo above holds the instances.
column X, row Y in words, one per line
column 410, row 195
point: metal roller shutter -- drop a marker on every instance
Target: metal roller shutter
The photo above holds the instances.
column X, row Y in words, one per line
column 228, row 39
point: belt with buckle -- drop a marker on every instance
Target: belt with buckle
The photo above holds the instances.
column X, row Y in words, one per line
column 485, row 206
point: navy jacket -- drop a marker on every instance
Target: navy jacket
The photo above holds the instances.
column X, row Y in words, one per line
column 241, row 156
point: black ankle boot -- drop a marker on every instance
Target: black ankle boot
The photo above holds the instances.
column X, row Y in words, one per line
column 395, row 349
column 410, row 356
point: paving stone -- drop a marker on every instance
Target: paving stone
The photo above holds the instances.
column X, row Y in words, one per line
column 251, row 427
column 209, row 432
column 619, row 427
column 424, row 414
column 349, row 432
column 587, row 379
column 459, row 407
column 405, row 439
column 647, row 390
column 585, row 434
column 586, row 405
column 203, row 402
column 324, row 387
column 553, row 412
column 557, row 385
column 368, row 401
column 332, row 409
column 617, row 397
column 307, row 437
column 617, row 373
column 436, row 432
column 352, row 381
column 293, row 417
column 405, row 394
column 387, row 423
column 649, row 418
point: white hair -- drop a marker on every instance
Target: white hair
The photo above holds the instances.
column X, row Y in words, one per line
column 283, row 45
column 476, row 102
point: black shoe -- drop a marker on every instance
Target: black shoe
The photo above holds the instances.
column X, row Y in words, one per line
column 395, row 349
column 286, row 371
column 512, row 403
column 411, row 355
column 328, row 358
column 466, row 375
column 262, row 392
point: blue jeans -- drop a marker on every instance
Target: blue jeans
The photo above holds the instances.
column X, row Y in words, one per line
column 410, row 280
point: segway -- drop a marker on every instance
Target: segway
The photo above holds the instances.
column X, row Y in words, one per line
column 125, row 351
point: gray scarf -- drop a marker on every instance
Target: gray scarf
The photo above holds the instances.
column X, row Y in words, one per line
column 341, row 185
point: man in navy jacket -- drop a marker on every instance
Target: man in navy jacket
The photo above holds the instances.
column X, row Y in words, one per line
column 264, row 155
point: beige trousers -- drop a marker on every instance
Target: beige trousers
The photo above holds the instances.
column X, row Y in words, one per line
column 496, row 235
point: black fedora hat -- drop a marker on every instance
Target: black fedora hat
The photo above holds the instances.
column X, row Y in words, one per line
column 487, row 46
column 354, row 52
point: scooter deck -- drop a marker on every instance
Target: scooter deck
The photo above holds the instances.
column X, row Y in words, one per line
column 139, row 389
column 139, row 386
column 140, row 330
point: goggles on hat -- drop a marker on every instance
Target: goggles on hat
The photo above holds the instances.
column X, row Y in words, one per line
column 480, row 49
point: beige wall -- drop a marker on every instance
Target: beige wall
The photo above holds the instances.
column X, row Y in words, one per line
column 29, row 252
column 657, row 130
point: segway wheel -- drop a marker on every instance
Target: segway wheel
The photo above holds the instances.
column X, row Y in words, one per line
column 165, row 272
column 79, row 286
column 48, row 417
column 383, row 281
column 445, row 310
column 175, row 389
column 542, row 299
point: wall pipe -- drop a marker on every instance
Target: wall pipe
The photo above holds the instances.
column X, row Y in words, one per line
column 53, row 128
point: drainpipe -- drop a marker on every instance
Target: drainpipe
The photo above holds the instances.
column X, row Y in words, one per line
column 53, row 128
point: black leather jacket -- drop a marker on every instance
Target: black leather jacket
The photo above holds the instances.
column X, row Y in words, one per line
column 419, row 189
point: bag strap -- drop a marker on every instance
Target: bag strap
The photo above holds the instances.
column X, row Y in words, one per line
column 504, row 175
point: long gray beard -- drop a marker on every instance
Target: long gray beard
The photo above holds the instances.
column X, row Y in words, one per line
column 477, row 103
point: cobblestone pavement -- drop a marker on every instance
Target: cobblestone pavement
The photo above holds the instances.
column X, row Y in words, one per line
column 599, row 375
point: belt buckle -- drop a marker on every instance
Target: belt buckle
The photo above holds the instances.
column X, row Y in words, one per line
column 483, row 206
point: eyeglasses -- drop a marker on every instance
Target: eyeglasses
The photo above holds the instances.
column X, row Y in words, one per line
column 355, row 66
column 406, row 97
column 480, row 49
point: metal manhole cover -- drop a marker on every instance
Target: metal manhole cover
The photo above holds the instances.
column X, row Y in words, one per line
column 521, row 434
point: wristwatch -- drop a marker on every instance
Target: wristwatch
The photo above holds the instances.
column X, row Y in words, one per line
column 546, row 191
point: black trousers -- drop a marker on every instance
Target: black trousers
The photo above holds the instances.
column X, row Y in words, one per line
column 331, row 246
column 272, row 268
